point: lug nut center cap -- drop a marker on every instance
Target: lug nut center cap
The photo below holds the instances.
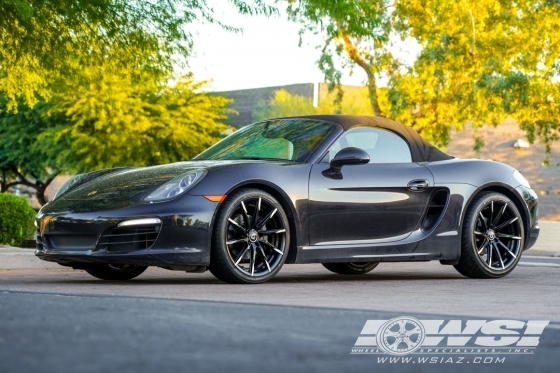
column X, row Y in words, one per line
column 253, row 236
column 491, row 234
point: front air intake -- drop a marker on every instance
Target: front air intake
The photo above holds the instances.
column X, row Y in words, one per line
column 129, row 238
column 67, row 242
column 435, row 209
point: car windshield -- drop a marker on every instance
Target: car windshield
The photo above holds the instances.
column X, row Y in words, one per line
column 286, row 139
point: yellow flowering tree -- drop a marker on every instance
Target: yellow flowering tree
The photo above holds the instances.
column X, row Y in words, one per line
column 478, row 61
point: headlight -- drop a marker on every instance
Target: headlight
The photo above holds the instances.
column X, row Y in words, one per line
column 67, row 185
column 176, row 186
column 521, row 179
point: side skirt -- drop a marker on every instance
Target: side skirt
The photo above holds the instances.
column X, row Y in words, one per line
column 445, row 248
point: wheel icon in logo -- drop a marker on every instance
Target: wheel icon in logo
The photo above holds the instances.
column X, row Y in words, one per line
column 401, row 336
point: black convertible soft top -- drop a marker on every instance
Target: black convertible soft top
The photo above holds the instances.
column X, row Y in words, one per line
column 422, row 150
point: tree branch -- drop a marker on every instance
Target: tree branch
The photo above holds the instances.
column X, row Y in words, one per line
column 39, row 186
column 26, row 183
column 19, row 174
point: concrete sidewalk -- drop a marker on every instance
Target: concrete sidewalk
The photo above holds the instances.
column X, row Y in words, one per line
column 17, row 258
column 549, row 238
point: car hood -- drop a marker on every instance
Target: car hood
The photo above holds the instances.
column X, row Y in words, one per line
column 125, row 187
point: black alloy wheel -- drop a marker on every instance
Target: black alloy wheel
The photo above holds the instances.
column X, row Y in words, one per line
column 115, row 272
column 251, row 238
column 493, row 237
column 351, row 268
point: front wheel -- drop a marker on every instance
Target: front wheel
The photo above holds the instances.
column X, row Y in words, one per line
column 493, row 237
column 115, row 272
column 251, row 238
column 351, row 268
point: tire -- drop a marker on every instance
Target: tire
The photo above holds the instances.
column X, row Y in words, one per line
column 493, row 237
column 350, row 268
column 115, row 272
column 251, row 238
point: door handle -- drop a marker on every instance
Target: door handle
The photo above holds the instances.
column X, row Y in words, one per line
column 418, row 185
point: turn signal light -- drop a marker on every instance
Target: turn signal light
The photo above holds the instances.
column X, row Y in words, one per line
column 215, row 198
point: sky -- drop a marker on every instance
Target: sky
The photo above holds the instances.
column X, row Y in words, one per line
column 265, row 54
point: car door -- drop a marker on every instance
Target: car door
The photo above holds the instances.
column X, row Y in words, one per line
column 382, row 201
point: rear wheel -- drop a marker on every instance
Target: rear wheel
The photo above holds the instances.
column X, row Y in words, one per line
column 350, row 268
column 251, row 238
column 493, row 237
column 115, row 272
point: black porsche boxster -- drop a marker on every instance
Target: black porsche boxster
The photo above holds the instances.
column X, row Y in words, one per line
column 345, row 191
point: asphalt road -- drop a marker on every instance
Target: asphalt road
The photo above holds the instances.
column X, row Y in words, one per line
column 306, row 319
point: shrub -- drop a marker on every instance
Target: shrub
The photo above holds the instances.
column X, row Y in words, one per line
column 16, row 219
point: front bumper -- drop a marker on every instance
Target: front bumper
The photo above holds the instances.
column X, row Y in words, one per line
column 179, row 239
column 532, row 237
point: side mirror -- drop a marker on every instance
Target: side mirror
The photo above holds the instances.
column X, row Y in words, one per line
column 349, row 156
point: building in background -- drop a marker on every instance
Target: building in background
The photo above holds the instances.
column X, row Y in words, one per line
column 245, row 100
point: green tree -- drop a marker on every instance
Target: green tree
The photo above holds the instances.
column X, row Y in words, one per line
column 22, row 160
column 112, row 122
column 44, row 41
column 479, row 61
column 283, row 104
column 115, row 123
column 355, row 101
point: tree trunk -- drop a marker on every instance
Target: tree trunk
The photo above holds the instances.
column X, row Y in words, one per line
column 354, row 55
column 372, row 90
column 4, row 182
column 42, row 188
column 41, row 198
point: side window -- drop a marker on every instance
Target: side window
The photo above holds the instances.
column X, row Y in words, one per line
column 382, row 146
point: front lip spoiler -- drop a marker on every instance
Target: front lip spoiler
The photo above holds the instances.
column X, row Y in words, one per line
column 147, row 257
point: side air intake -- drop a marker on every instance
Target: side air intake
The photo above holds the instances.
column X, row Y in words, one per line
column 435, row 209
